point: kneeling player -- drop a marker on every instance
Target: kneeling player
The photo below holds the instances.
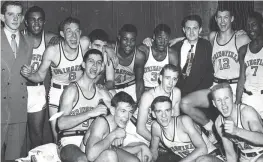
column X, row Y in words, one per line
column 180, row 134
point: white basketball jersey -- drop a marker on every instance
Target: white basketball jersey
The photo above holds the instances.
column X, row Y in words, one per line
column 84, row 104
column 181, row 148
column 125, row 74
column 38, row 54
column 67, row 70
column 152, row 69
column 254, row 70
column 225, row 59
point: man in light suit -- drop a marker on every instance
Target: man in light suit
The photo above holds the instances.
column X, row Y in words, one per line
column 15, row 52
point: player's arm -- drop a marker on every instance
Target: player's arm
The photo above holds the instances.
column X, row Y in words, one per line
column 144, row 49
column 173, row 57
column 242, row 75
column 85, row 43
column 49, row 37
column 242, row 40
column 96, row 144
column 156, row 133
column 139, row 71
column 231, row 155
column 175, row 40
column 140, row 149
column 255, row 133
column 144, row 105
column 40, row 75
column 195, row 137
column 176, row 99
column 211, row 37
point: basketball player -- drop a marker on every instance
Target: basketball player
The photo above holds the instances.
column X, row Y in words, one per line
column 168, row 79
column 129, row 72
column 158, row 55
column 250, row 85
column 80, row 104
column 180, row 134
column 100, row 142
column 34, row 33
column 226, row 68
column 65, row 61
column 238, row 124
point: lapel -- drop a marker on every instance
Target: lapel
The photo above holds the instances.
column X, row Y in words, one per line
column 6, row 50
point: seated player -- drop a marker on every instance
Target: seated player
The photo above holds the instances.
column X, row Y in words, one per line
column 104, row 139
column 180, row 134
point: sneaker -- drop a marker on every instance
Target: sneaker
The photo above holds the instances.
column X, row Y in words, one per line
column 212, row 138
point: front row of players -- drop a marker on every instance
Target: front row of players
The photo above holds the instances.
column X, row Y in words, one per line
column 84, row 112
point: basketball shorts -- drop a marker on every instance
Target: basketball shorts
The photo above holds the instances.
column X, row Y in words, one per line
column 36, row 98
column 54, row 97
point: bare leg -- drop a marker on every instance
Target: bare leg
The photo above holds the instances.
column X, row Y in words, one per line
column 107, row 156
column 72, row 153
column 124, row 156
column 208, row 158
column 53, row 110
column 259, row 159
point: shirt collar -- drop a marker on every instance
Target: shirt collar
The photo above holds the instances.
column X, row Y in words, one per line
column 8, row 35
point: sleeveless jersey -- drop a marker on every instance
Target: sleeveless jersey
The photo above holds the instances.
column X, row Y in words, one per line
column 152, row 69
column 84, row 104
column 67, row 70
column 38, row 54
column 225, row 59
column 244, row 146
column 125, row 74
column 183, row 149
column 254, row 70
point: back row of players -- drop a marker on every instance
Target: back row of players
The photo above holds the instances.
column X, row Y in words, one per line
column 121, row 66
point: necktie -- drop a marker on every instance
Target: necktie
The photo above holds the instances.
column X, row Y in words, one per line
column 13, row 44
column 187, row 67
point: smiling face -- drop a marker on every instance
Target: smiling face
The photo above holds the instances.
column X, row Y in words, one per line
column 93, row 66
column 169, row 80
column 192, row 30
column 127, row 42
column 223, row 100
column 99, row 45
column 163, row 113
column 71, row 34
column 224, row 20
column 123, row 113
column 12, row 18
column 35, row 23
column 161, row 40
column 254, row 28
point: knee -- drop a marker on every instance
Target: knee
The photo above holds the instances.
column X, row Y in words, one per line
column 185, row 105
column 82, row 158
column 203, row 158
column 260, row 159
column 110, row 156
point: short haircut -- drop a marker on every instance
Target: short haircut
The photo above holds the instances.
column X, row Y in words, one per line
column 169, row 67
column 160, row 99
column 257, row 16
column 128, row 28
column 123, row 97
column 98, row 34
column 162, row 27
column 68, row 20
column 224, row 7
column 220, row 86
column 196, row 18
column 10, row 3
column 94, row 52
column 35, row 9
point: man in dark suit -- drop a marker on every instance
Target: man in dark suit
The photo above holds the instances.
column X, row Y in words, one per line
column 15, row 52
column 197, row 68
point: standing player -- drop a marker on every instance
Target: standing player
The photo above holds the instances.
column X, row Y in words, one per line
column 158, row 55
column 238, row 124
column 250, row 85
column 168, row 78
column 180, row 134
column 65, row 61
column 105, row 144
column 129, row 72
column 35, row 21
column 80, row 104
column 226, row 68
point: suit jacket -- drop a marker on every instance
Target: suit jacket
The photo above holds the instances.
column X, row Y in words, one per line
column 201, row 75
column 13, row 84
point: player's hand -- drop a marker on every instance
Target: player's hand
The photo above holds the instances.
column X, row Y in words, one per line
column 111, row 56
column 119, row 133
column 117, row 142
column 175, row 40
column 26, row 70
column 147, row 42
column 99, row 110
column 230, row 127
column 146, row 154
column 240, row 33
column 55, row 40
